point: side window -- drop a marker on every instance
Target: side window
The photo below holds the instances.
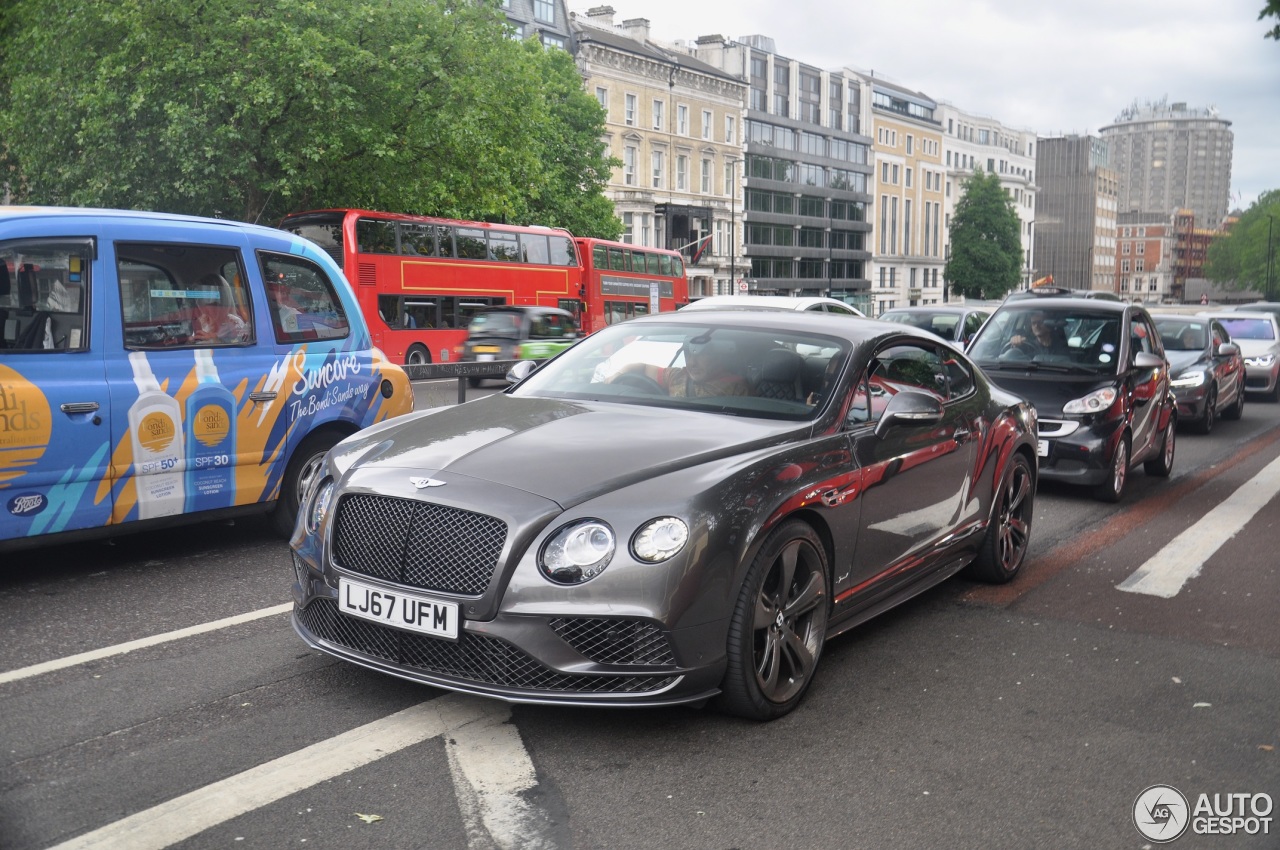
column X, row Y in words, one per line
column 197, row 298
column 1219, row 335
column 376, row 237
column 418, row 239
column 471, row 243
column 304, row 305
column 44, row 295
column 959, row 378
column 905, row 367
column 1139, row 338
column 504, row 246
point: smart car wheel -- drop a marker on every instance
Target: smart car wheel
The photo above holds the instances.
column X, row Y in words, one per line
column 1205, row 425
column 779, row 625
column 1113, row 488
column 1162, row 465
column 1005, row 546
column 301, row 472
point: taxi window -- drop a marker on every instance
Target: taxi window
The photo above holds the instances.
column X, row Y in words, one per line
column 304, row 305
column 193, row 298
column 44, row 295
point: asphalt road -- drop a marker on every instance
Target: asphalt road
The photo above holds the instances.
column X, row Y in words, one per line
column 1026, row 716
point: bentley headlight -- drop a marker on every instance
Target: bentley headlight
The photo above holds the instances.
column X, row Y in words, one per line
column 318, row 506
column 1095, row 402
column 1188, row 379
column 578, row 552
column 660, row 539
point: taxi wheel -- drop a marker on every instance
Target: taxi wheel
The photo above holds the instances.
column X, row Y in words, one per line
column 299, row 475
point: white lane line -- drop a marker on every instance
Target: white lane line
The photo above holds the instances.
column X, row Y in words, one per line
column 492, row 775
column 141, row 643
column 190, row 814
column 1165, row 573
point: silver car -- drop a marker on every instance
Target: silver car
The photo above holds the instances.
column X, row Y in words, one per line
column 1258, row 335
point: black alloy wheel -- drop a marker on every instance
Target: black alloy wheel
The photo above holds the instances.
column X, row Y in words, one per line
column 1004, row 549
column 779, row 625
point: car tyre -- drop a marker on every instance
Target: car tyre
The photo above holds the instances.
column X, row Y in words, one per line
column 1235, row 411
column 299, row 475
column 1004, row 549
column 1162, row 464
column 779, row 625
column 1113, row 488
column 1205, row 425
column 417, row 355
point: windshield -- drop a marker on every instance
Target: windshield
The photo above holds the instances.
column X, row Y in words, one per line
column 739, row 371
column 1183, row 334
column 1249, row 328
column 941, row 324
column 1068, row 337
column 494, row 324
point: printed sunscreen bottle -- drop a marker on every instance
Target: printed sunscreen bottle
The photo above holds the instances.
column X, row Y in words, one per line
column 210, row 438
column 155, row 430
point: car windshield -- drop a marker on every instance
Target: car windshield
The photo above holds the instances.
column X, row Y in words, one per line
column 757, row 372
column 1182, row 334
column 1074, row 338
column 942, row 324
column 1249, row 328
column 499, row 323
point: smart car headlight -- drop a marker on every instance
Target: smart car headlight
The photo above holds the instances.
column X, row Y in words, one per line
column 318, row 506
column 1188, row 379
column 660, row 539
column 578, row 552
column 1095, row 402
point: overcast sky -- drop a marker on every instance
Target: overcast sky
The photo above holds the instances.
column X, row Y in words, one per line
column 1050, row 66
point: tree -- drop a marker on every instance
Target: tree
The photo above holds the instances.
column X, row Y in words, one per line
column 1271, row 9
column 986, row 249
column 1242, row 258
column 246, row 110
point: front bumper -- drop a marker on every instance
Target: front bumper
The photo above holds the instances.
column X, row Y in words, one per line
column 1192, row 401
column 1261, row 379
column 1077, row 453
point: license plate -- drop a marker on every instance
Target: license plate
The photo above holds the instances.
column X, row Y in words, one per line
column 1042, row 448
column 398, row 609
column 484, row 358
column 486, row 349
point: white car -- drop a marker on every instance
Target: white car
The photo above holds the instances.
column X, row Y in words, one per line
column 812, row 304
column 1257, row 332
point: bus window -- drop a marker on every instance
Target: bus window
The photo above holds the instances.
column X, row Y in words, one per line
column 504, row 246
column 664, row 264
column 470, row 242
column 417, row 239
column 376, row 237
column 444, row 241
column 677, row 267
column 536, row 248
column 562, row 253
column 615, row 259
column 600, row 257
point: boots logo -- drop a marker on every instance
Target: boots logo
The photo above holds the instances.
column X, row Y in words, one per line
column 27, row 504
column 1160, row 813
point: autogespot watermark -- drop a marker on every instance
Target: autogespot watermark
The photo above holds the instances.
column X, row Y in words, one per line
column 1162, row 813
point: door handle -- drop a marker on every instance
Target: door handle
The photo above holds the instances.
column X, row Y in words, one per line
column 261, row 397
column 961, row 436
column 79, row 407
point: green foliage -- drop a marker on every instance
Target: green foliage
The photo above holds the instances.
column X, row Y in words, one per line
column 986, row 248
column 1240, row 258
column 246, row 110
column 1271, row 9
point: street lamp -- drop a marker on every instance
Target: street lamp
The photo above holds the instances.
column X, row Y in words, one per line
column 732, row 162
column 1270, row 252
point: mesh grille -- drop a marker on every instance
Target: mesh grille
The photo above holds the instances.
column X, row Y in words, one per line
column 473, row 658
column 418, row 544
column 615, row 641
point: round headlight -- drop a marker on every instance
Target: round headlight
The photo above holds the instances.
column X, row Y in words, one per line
column 578, row 552
column 319, row 505
column 660, row 539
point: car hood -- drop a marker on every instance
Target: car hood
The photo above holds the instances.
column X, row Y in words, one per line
column 566, row 451
column 1179, row 360
column 1046, row 391
column 1256, row 347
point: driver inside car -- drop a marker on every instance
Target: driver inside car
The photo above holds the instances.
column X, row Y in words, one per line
column 1043, row 339
column 708, row 370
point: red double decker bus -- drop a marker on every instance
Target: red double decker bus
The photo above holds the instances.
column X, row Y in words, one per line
column 621, row 281
column 420, row 279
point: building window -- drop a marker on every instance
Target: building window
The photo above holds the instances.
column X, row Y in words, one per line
column 682, row 120
column 705, row 187
column 544, row 10
column 682, row 172
column 908, row 175
column 730, row 130
column 629, row 165
column 628, row 223
column 602, row 95
column 911, row 140
column 658, row 107
column 630, row 116
column 706, row 124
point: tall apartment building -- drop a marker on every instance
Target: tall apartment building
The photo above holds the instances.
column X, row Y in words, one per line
column 1170, row 157
column 675, row 122
column 1075, row 228
column 807, row 173
column 971, row 143
column 908, row 250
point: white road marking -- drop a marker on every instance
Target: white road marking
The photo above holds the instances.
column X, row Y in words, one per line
column 141, row 643
column 1165, row 573
column 190, row 814
column 492, row 773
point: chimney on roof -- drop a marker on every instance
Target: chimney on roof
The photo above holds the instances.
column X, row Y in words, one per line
column 710, row 39
column 637, row 28
column 601, row 15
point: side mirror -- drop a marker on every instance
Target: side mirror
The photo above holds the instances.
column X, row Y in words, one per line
column 1228, row 349
column 1147, row 360
column 520, row 371
column 910, row 408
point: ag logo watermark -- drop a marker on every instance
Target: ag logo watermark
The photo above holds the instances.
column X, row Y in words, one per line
column 1162, row 813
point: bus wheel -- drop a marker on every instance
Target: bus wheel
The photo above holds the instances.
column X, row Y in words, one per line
column 417, row 355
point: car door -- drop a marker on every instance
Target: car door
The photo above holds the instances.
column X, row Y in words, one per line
column 1146, row 387
column 55, row 410
column 1228, row 369
column 915, row 478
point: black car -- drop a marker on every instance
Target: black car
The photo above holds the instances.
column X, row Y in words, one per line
column 954, row 323
column 1206, row 368
column 518, row 332
column 1095, row 370
column 680, row 507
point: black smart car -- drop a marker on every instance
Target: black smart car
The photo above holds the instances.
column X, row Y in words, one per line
column 1096, row 372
